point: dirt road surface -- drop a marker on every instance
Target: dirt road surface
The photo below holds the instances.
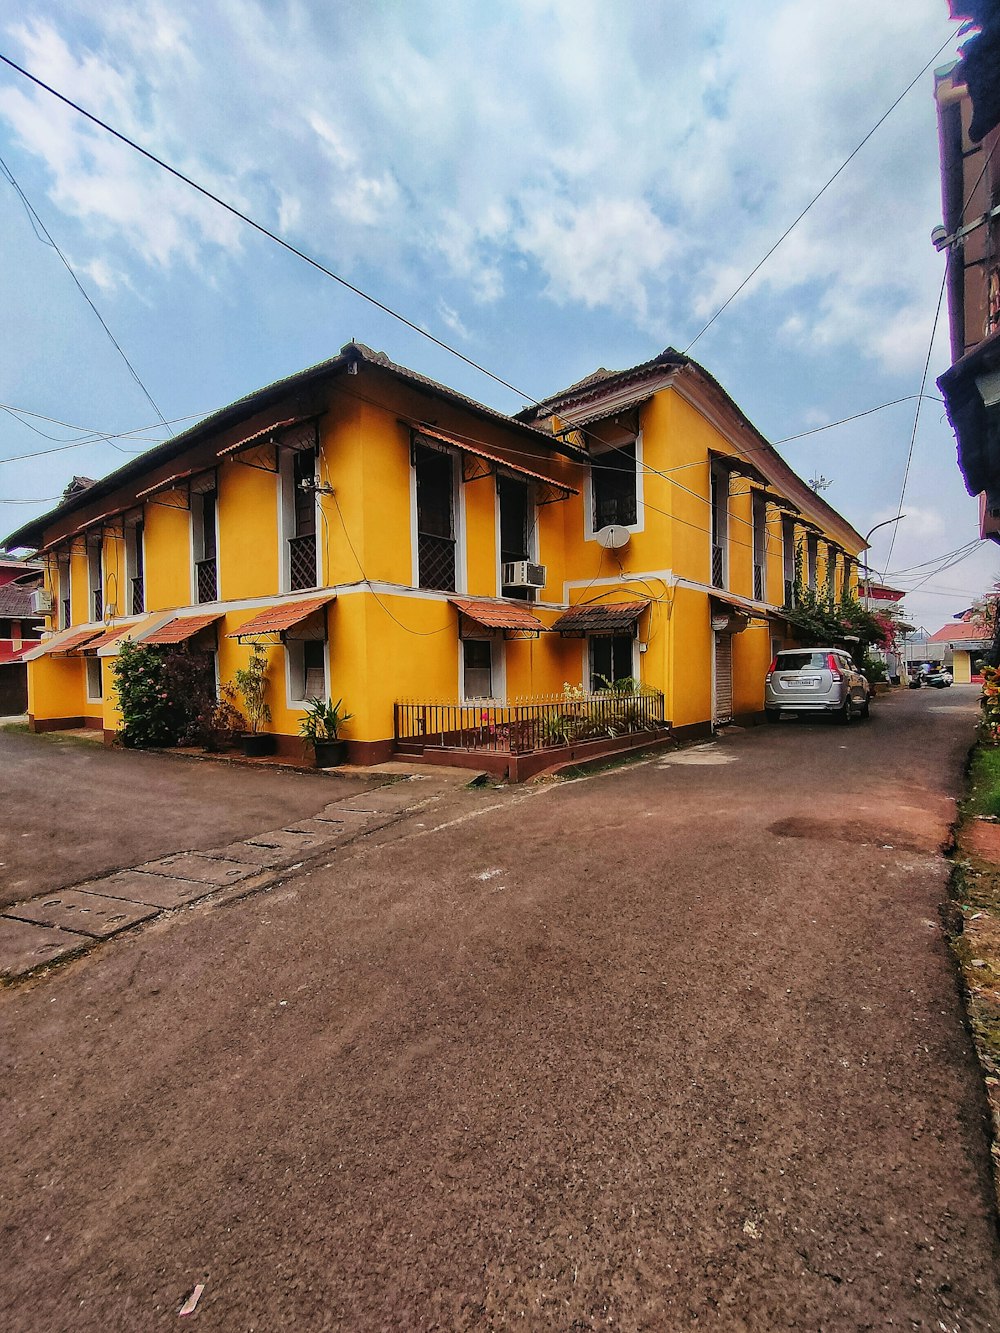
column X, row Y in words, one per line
column 677, row 1047
column 73, row 810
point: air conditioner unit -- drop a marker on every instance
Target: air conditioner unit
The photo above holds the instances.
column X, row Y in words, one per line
column 41, row 601
column 523, row 574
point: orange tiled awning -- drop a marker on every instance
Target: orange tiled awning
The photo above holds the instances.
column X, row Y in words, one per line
column 71, row 643
column 497, row 615
column 109, row 636
column 181, row 628
column 599, row 618
column 479, row 451
column 277, row 619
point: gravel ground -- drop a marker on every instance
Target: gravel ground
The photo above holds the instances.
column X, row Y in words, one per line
column 676, row 1047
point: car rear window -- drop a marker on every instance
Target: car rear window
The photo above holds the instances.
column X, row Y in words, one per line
column 801, row 661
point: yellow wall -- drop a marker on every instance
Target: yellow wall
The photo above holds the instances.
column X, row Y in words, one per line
column 384, row 646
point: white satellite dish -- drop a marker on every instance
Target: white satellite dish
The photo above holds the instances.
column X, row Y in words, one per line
column 613, row 537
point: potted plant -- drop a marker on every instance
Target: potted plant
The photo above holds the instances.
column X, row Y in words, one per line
column 320, row 728
column 251, row 681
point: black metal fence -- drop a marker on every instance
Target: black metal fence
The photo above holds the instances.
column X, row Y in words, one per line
column 526, row 725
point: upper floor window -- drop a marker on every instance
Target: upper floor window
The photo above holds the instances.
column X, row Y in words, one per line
column 65, row 600
column 788, row 559
column 720, row 526
column 517, row 529
column 204, row 533
column 302, row 539
column 812, row 560
column 759, row 506
column 135, row 593
column 95, row 579
column 614, row 470
column 435, row 484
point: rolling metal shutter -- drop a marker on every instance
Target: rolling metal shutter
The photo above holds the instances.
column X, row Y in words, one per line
column 723, row 679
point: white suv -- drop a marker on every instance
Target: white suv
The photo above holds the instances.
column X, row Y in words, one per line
column 815, row 680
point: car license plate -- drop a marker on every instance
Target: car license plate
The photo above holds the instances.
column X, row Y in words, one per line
column 801, row 683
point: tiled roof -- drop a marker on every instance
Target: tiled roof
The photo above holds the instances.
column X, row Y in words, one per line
column 275, row 619
column 244, row 409
column 181, row 628
column 70, row 642
column 596, row 617
column 458, row 443
column 109, row 636
column 15, row 602
column 497, row 615
column 959, row 631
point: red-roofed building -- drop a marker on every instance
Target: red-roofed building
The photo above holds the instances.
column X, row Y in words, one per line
column 20, row 629
column 964, row 642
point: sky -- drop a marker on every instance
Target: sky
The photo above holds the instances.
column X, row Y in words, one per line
column 548, row 186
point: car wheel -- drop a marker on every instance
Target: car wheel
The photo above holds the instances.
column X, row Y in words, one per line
column 844, row 715
column 772, row 714
column 866, row 708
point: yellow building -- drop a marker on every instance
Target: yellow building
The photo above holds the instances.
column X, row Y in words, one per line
column 444, row 569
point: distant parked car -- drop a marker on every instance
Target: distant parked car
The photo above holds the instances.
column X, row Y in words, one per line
column 815, row 680
column 940, row 679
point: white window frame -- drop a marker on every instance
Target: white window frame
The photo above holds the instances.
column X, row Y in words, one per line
column 586, row 678
column 65, row 593
column 533, row 542
column 132, row 550
column 92, row 667
column 95, row 578
column 498, row 668
column 197, row 535
column 295, row 674
column 758, row 515
column 596, row 449
column 458, row 515
column 719, row 477
column 286, row 516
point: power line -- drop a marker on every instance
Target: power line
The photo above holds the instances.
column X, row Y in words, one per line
column 816, row 197
column 35, row 219
column 815, row 430
column 264, row 231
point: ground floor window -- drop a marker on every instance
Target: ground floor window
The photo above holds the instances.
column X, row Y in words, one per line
column 95, row 688
column 610, row 659
column 477, row 669
column 307, row 669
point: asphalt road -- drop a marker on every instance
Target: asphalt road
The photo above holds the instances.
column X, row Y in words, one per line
column 672, row 1048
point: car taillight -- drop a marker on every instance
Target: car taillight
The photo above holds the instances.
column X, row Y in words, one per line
column 831, row 662
column 773, row 666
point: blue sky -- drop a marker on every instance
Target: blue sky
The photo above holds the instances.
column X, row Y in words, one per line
column 548, row 185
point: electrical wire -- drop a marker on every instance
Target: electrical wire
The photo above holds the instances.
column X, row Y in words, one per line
column 264, row 231
column 816, row 197
column 32, row 213
column 855, row 417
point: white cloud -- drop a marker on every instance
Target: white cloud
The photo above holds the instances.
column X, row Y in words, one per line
column 643, row 160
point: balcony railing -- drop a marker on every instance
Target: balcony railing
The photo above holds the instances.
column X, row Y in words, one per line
column 302, row 561
column 206, row 579
column 758, row 583
column 525, row 725
column 436, row 562
column 138, row 596
column 718, row 567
